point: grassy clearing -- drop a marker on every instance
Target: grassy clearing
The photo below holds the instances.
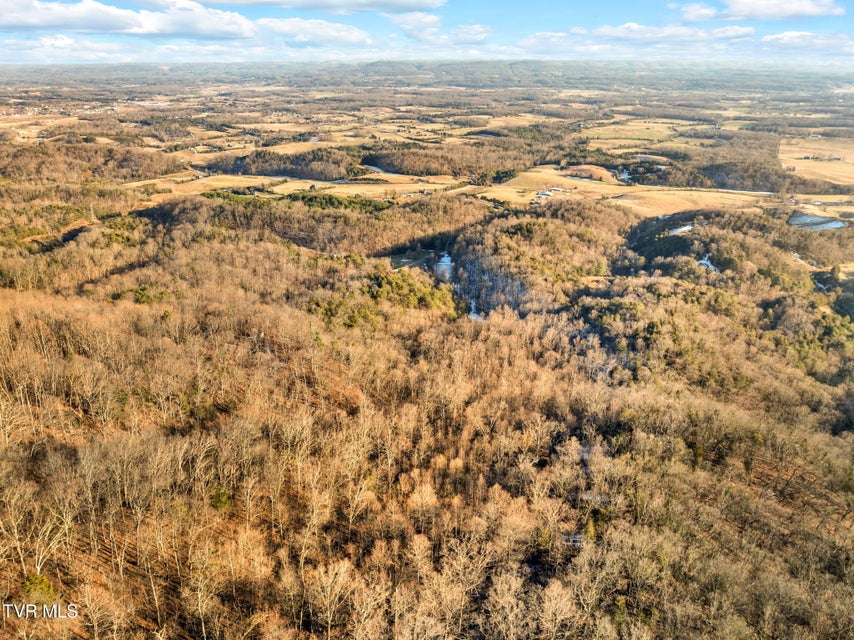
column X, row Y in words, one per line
column 648, row 201
column 652, row 202
column 29, row 128
column 820, row 158
column 648, row 130
column 592, row 172
column 683, row 142
column 618, row 145
column 187, row 183
column 841, row 212
column 838, row 171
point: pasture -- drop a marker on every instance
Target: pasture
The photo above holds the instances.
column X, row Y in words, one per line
column 829, row 159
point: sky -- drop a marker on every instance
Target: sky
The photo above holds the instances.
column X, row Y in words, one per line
column 808, row 32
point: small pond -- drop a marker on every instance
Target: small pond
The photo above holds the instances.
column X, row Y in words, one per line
column 815, row 223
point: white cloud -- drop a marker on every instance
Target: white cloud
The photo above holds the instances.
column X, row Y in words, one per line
column 551, row 43
column 342, row 6
column 417, row 24
column 669, row 33
column 59, row 47
column 790, row 38
column 634, row 41
column 424, row 27
column 84, row 15
column 191, row 18
column 831, row 42
column 470, row 33
column 546, row 40
column 179, row 17
column 761, row 10
column 732, row 33
column 317, row 31
column 780, row 9
column 697, row 12
column 224, row 51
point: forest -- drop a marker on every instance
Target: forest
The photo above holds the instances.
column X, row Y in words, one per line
column 228, row 412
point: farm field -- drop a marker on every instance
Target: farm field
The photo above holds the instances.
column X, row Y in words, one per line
column 646, row 200
column 821, row 158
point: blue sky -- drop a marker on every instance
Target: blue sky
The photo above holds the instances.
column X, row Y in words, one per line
column 810, row 32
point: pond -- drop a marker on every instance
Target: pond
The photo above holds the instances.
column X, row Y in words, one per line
column 815, row 223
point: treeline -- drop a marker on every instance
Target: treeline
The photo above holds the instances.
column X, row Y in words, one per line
column 39, row 218
column 483, row 159
column 833, row 126
column 316, row 164
column 58, row 162
column 87, row 129
column 739, row 160
column 324, row 224
column 478, row 160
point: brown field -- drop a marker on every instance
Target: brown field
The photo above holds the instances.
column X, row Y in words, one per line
column 646, row 200
column 521, row 120
column 827, row 205
column 640, row 135
column 29, row 127
column 395, row 186
column 300, row 147
column 592, row 172
column 277, row 127
column 679, row 141
column 662, row 201
column 619, row 145
column 568, row 94
column 829, row 159
column 188, row 183
column 204, row 134
column 650, row 158
column 838, row 172
column 646, row 130
column 842, row 211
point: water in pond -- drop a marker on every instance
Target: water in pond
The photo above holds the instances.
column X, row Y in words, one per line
column 444, row 268
column 681, row 230
column 445, row 272
column 418, row 258
column 814, row 223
